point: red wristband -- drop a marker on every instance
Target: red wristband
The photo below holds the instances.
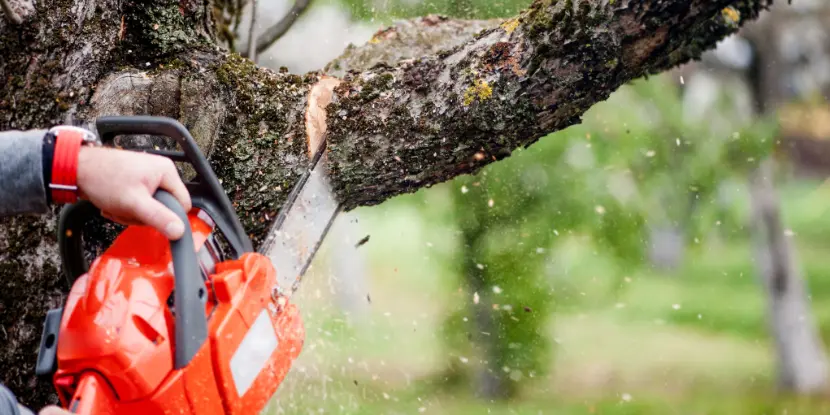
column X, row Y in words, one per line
column 65, row 165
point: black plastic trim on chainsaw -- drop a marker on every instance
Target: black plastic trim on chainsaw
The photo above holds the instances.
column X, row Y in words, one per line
column 71, row 222
column 47, row 355
column 189, row 289
column 207, row 185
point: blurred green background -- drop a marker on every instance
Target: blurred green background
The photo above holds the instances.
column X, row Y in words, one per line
column 607, row 269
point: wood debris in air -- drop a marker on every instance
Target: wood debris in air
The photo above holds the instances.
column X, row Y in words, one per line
column 362, row 241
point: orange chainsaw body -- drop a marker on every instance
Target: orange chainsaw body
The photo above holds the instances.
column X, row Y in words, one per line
column 116, row 339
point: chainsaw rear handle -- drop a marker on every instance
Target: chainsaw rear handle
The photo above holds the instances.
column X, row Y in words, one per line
column 189, row 292
column 206, row 187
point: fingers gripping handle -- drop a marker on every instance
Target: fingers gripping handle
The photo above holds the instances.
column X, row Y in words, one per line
column 206, row 189
column 190, row 323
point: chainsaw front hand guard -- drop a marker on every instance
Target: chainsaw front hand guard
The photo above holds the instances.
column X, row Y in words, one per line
column 206, row 191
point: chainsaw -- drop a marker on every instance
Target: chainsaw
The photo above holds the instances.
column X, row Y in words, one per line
column 200, row 325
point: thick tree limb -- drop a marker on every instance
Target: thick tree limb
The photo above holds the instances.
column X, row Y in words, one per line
column 428, row 119
column 408, row 39
column 418, row 113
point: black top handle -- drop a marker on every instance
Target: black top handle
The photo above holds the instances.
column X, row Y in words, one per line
column 206, row 192
column 189, row 289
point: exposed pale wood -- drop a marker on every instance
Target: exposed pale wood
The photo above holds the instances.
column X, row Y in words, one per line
column 318, row 99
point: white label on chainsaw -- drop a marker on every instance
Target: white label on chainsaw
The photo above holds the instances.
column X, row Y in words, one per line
column 252, row 355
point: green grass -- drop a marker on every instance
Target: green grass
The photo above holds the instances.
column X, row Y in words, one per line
column 627, row 341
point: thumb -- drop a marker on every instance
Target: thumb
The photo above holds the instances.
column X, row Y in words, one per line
column 151, row 212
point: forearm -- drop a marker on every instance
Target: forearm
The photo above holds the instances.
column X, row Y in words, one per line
column 22, row 187
column 9, row 404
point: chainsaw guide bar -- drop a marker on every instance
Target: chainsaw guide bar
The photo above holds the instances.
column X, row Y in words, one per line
column 301, row 225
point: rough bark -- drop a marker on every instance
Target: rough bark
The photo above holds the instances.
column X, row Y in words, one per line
column 420, row 116
column 455, row 111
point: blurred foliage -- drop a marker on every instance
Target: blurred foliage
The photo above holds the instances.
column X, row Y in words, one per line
column 695, row 343
column 635, row 163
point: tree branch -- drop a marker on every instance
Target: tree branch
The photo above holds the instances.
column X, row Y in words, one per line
column 408, row 39
column 252, row 41
column 10, row 13
column 275, row 32
column 418, row 121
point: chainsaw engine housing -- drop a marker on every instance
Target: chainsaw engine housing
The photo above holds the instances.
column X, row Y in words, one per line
column 159, row 327
column 117, row 323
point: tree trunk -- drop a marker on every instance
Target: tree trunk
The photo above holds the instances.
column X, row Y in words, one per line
column 491, row 382
column 802, row 363
column 801, row 359
column 421, row 103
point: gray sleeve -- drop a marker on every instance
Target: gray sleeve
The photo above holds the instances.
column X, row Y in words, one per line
column 21, row 173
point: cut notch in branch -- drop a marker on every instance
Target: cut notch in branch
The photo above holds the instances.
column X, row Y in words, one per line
column 319, row 97
column 10, row 13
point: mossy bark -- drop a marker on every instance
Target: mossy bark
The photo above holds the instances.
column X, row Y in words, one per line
column 408, row 114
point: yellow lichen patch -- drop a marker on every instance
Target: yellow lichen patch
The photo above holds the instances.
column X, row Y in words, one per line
column 731, row 15
column 374, row 40
column 480, row 90
column 510, row 25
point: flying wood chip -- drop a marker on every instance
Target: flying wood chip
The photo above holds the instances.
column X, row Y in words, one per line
column 362, row 241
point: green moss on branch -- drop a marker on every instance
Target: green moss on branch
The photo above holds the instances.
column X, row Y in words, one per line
column 454, row 111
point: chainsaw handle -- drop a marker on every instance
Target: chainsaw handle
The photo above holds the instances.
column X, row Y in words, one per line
column 189, row 292
column 206, row 186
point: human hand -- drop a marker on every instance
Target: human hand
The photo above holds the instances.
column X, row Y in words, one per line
column 122, row 183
